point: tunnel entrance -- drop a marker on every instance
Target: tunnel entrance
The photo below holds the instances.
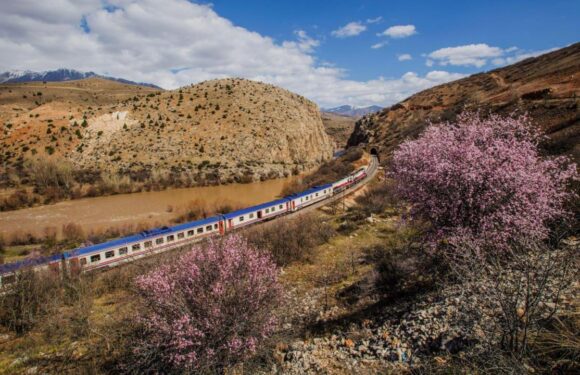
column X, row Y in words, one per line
column 374, row 152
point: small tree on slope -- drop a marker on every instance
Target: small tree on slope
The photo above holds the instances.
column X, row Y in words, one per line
column 210, row 309
column 482, row 181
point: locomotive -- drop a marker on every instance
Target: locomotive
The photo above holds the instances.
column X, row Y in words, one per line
column 154, row 241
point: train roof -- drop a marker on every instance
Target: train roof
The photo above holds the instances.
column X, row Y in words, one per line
column 254, row 208
column 139, row 237
column 11, row 267
column 313, row 189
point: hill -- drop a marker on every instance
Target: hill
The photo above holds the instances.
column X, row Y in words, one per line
column 547, row 87
column 338, row 127
column 215, row 131
column 59, row 75
column 348, row 110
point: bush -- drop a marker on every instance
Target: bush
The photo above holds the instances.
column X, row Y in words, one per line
column 209, row 310
column 482, row 180
column 291, row 240
column 31, row 296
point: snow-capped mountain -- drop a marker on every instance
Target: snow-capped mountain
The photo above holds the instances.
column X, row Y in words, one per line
column 348, row 110
column 58, row 76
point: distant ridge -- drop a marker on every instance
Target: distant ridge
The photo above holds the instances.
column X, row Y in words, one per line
column 348, row 110
column 60, row 75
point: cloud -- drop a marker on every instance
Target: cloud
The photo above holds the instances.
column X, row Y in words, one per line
column 176, row 43
column 400, row 31
column 479, row 55
column 350, row 29
column 471, row 54
column 404, row 57
column 519, row 55
column 379, row 45
column 374, row 20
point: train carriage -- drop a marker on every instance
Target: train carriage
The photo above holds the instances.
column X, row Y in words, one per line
column 310, row 196
column 264, row 211
column 148, row 242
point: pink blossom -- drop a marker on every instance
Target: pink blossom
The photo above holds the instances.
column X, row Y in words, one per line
column 211, row 307
column 482, row 180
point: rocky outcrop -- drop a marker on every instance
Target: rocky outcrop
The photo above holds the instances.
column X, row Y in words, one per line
column 546, row 87
column 215, row 131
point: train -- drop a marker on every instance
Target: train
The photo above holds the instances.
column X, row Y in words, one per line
column 154, row 241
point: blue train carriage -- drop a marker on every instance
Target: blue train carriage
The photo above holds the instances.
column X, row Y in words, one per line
column 310, row 196
column 146, row 243
column 8, row 271
column 254, row 214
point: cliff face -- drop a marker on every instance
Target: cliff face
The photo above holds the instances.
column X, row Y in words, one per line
column 229, row 128
column 546, row 87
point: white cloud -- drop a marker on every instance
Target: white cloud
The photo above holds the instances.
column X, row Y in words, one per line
column 471, row 54
column 350, row 29
column 379, row 45
column 479, row 55
column 374, row 20
column 404, row 57
column 400, row 31
column 176, row 43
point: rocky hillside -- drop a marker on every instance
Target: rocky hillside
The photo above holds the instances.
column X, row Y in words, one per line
column 546, row 87
column 338, row 127
column 221, row 129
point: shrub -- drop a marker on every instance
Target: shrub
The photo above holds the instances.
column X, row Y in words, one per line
column 210, row 309
column 31, row 296
column 291, row 240
column 482, row 180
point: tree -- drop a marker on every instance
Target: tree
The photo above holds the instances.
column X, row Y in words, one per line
column 482, row 181
column 210, row 309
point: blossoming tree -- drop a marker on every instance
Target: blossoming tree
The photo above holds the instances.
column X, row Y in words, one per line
column 210, row 308
column 482, row 180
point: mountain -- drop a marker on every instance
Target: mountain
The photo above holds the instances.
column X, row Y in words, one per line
column 59, row 75
column 547, row 87
column 348, row 110
column 219, row 130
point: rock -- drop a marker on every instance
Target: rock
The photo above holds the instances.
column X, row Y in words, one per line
column 348, row 343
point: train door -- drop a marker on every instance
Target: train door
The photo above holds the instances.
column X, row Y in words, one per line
column 230, row 224
column 74, row 266
column 260, row 214
column 221, row 227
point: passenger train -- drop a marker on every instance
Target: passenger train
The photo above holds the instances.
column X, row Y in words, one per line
column 149, row 242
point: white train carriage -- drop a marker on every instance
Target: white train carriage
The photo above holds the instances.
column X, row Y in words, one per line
column 8, row 271
column 359, row 175
column 148, row 242
column 310, row 196
column 342, row 184
column 264, row 211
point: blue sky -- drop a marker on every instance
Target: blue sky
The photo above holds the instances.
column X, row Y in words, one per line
column 530, row 25
column 320, row 49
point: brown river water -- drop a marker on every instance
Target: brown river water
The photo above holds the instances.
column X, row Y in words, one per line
column 151, row 208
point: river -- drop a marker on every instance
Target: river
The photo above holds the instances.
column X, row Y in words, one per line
column 150, row 208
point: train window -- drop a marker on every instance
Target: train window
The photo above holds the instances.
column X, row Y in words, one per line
column 136, row 247
column 208, row 228
column 199, row 230
column 170, row 238
column 281, row 206
column 267, row 210
column 251, row 216
column 215, row 226
column 123, row 251
column 242, row 218
column 180, row 235
column 95, row 258
column 316, row 194
column 159, row 241
column 83, row 261
column 110, row 254
column 148, row 244
column 190, row 233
